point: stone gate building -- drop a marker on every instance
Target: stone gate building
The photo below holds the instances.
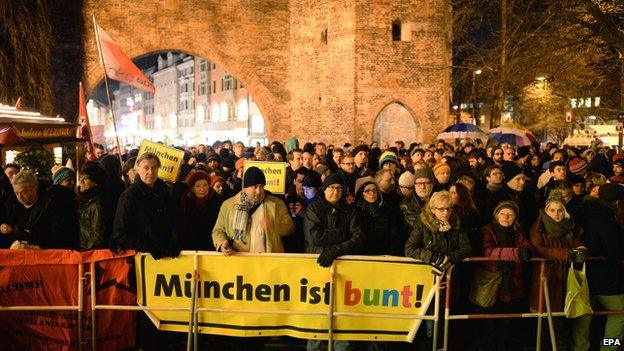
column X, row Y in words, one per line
column 330, row 70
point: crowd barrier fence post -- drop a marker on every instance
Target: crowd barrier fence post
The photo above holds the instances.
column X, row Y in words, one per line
column 330, row 315
column 551, row 327
column 436, row 312
column 540, row 308
column 195, row 313
column 93, row 310
column 80, row 304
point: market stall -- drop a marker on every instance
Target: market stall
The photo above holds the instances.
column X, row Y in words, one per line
column 22, row 131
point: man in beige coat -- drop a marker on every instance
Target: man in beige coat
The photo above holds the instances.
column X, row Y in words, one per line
column 252, row 221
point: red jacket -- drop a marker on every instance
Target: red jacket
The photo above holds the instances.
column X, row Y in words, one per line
column 491, row 248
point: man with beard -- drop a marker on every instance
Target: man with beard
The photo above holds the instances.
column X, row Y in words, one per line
column 411, row 207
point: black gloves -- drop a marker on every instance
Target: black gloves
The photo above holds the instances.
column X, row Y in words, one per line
column 439, row 263
column 524, row 254
column 328, row 256
column 577, row 256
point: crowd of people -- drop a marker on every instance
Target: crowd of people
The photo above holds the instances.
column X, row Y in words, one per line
column 436, row 203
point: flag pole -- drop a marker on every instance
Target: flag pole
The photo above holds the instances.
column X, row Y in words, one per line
column 110, row 103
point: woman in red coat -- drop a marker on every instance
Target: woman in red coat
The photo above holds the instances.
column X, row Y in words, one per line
column 503, row 240
column 555, row 237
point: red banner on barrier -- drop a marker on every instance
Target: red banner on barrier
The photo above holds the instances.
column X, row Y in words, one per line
column 50, row 278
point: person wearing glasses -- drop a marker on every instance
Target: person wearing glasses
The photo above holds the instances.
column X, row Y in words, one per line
column 383, row 228
column 331, row 230
column 411, row 207
column 437, row 240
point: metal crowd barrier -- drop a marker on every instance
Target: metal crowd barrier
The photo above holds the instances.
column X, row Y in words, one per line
column 543, row 296
column 194, row 311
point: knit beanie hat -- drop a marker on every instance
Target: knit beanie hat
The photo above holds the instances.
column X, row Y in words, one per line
column 63, row 173
column 239, row 164
column 506, row 204
column 424, row 173
column 440, row 167
column 510, row 170
column 253, row 176
column 312, row 179
column 331, row 179
column 196, row 175
column 361, row 183
column 611, row 192
column 228, row 162
column 214, row 179
column 619, row 162
column 386, row 157
column 524, row 151
column 577, row 165
column 320, row 169
column 95, row 173
column 406, row 180
column 291, row 144
column 359, row 149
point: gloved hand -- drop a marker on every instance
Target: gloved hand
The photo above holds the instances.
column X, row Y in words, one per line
column 328, row 256
column 525, row 254
column 441, row 264
column 577, row 256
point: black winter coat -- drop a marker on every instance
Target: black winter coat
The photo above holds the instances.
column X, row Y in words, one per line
column 384, row 234
column 325, row 225
column 144, row 220
column 93, row 219
column 44, row 224
column 195, row 222
column 603, row 237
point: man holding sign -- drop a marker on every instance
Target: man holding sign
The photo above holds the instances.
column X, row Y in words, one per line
column 252, row 221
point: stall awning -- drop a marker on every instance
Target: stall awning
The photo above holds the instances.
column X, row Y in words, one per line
column 34, row 127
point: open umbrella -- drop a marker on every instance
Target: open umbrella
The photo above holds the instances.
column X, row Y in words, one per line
column 462, row 130
column 513, row 134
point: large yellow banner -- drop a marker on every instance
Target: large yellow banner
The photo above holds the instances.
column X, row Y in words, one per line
column 275, row 173
column 264, row 295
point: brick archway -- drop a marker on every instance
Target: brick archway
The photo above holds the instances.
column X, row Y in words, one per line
column 312, row 72
column 202, row 29
column 395, row 122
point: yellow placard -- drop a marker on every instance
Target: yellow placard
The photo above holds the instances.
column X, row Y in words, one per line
column 171, row 159
column 288, row 295
column 275, row 173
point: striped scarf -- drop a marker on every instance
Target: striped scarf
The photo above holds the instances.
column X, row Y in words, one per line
column 244, row 209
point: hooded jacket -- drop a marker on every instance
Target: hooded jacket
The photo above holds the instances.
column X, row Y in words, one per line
column 325, row 225
column 426, row 239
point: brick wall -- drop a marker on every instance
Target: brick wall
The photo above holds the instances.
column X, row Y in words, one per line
column 329, row 90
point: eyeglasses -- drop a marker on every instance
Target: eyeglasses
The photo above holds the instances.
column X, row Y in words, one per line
column 443, row 209
column 422, row 183
column 370, row 191
column 335, row 187
column 498, row 153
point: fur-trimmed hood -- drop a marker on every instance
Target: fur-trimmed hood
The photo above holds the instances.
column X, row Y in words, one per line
column 428, row 219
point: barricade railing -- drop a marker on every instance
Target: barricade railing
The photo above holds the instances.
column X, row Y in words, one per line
column 543, row 301
column 194, row 311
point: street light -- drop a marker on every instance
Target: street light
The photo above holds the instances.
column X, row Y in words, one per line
column 474, row 93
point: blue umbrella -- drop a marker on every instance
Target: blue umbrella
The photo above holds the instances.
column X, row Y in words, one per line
column 462, row 130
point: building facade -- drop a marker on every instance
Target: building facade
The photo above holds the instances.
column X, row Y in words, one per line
column 195, row 102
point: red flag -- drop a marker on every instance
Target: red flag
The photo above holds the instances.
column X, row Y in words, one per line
column 84, row 127
column 118, row 66
column 18, row 104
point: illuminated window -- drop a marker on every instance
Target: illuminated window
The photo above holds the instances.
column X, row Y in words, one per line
column 597, row 101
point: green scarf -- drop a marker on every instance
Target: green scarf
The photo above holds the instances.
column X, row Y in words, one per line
column 556, row 230
column 505, row 238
